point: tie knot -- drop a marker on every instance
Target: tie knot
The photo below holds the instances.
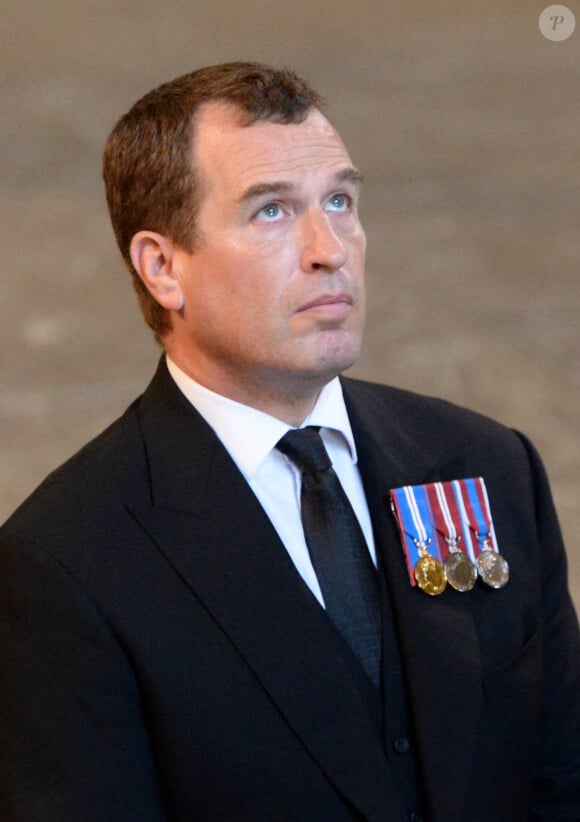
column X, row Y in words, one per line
column 304, row 447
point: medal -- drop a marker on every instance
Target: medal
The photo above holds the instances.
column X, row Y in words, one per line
column 427, row 569
column 430, row 574
column 447, row 535
column 492, row 567
column 461, row 572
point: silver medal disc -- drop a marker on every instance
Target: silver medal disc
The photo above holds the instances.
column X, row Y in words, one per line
column 461, row 571
column 493, row 568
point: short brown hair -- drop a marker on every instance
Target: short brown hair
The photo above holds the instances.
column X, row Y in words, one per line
column 147, row 165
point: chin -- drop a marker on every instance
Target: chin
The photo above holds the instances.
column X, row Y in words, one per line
column 339, row 352
column 323, row 370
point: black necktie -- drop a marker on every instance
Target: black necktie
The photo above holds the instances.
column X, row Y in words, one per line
column 346, row 575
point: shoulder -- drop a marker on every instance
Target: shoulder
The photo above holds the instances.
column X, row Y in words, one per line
column 100, row 475
column 90, row 480
column 431, row 440
column 430, row 421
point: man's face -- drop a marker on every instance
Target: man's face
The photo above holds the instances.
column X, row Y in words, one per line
column 274, row 291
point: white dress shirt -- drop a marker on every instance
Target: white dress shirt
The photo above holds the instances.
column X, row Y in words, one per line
column 250, row 438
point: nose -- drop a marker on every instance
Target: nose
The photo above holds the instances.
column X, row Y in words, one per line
column 322, row 249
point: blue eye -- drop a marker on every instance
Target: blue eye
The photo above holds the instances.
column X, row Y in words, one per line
column 338, row 202
column 270, row 212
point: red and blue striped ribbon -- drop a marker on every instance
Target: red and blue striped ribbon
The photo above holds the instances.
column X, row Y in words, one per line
column 419, row 515
column 473, row 496
column 413, row 513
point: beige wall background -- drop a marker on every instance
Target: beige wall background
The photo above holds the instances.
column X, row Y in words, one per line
column 466, row 122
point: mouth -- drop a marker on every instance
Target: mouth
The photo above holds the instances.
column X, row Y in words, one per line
column 330, row 305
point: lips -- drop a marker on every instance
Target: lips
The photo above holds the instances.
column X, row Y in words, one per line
column 328, row 300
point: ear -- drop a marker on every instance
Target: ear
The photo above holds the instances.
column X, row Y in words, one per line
column 153, row 256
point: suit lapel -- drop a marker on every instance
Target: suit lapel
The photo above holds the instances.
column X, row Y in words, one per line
column 439, row 649
column 206, row 520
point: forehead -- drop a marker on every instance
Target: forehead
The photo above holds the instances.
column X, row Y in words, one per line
column 227, row 152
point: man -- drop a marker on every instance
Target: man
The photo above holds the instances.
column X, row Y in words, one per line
column 170, row 643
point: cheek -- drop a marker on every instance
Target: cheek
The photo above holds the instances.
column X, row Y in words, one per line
column 262, row 275
column 248, row 281
column 358, row 245
column 276, row 253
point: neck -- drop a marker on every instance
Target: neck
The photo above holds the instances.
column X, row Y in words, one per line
column 290, row 399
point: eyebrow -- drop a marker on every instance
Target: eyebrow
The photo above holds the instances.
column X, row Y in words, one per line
column 346, row 175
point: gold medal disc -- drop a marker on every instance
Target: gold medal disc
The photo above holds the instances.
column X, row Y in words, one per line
column 461, row 571
column 430, row 575
column 493, row 568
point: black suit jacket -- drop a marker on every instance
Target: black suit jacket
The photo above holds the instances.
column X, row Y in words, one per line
column 162, row 659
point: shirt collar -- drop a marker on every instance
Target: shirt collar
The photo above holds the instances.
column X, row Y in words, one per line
column 248, row 434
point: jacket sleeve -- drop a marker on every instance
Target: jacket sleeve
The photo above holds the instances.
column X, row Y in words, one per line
column 73, row 743
column 556, row 778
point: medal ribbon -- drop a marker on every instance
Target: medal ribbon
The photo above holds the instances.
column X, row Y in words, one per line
column 444, row 518
column 411, row 506
column 484, row 499
column 471, row 495
column 457, row 511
